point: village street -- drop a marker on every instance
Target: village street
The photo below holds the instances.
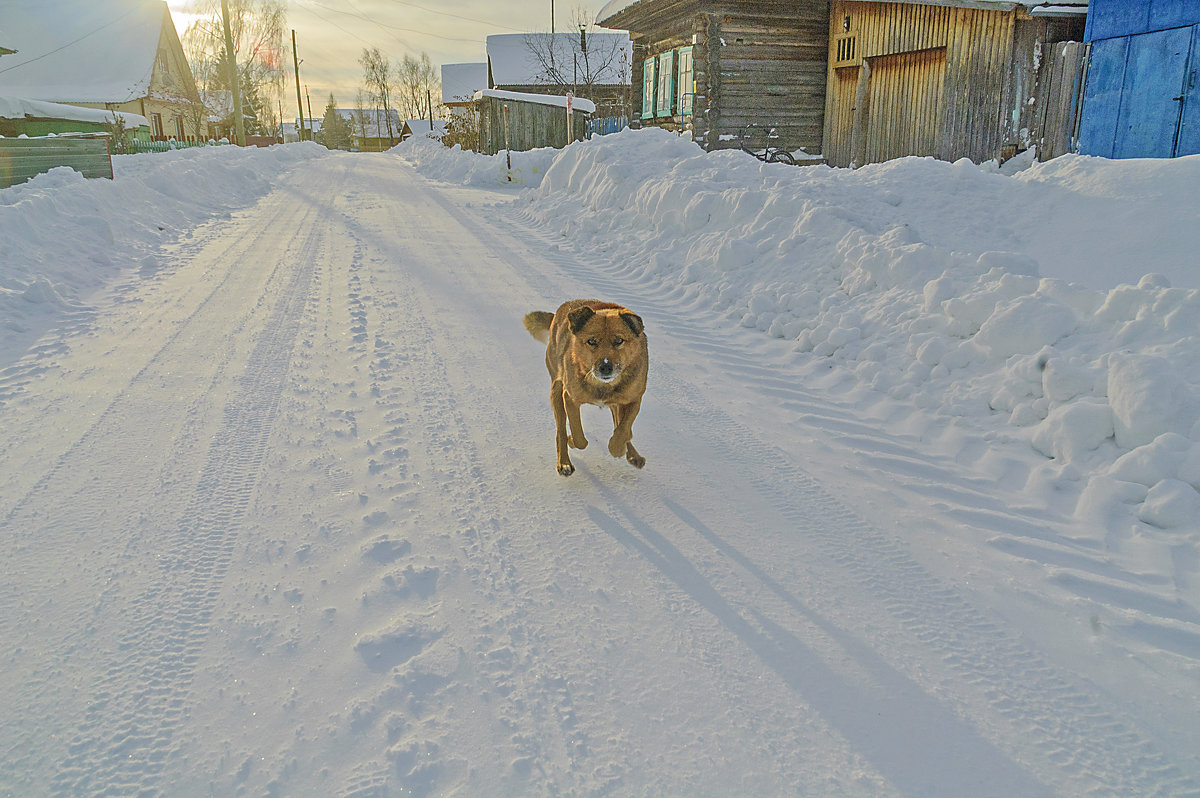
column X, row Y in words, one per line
column 281, row 518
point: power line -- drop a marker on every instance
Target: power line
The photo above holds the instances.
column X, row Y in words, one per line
column 377, row 23
column 69, row 44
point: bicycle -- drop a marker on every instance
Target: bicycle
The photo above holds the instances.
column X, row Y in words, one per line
column 750, row 140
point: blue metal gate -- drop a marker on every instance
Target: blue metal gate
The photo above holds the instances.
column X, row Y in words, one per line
column 1142, row 98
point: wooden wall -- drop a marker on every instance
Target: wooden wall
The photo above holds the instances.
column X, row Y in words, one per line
column 529, row 125
column 759, row 62
column 939, row 81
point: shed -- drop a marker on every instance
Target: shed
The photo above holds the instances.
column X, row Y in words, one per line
column 951, row 79
column 19, row 116
column 516, row 122
column 711, row 68
column 121, row 55
column 1142, row 97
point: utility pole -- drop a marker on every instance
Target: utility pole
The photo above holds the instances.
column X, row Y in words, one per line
column 299, row 105
column 552, row 18
column 239, row 121
column 310, row 116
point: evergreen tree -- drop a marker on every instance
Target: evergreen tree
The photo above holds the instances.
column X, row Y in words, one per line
column 335, row 131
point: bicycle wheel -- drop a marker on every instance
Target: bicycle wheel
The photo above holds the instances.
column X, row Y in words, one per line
column 781, row 156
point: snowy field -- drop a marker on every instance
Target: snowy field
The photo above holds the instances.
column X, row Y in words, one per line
column 279, row 514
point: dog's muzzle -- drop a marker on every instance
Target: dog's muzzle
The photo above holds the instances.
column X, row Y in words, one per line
column 606, row 371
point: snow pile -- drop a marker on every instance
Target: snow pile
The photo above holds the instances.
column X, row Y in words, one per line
column 65, row 236
column 467, row 168
column 1031, row 307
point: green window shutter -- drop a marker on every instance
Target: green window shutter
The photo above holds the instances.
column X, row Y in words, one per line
column 687, row 81
column 665, row 105
column 648, row 87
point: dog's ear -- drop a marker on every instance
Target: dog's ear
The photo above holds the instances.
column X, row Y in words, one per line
column 634, row 321
column 579, row 317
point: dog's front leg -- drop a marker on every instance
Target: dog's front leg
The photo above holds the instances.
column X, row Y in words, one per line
column 621, row 442
column 558, row 404
column 577, row 440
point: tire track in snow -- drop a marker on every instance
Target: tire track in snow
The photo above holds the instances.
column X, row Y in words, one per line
column 142, row 654
column 1053, row 721
column 129, row 729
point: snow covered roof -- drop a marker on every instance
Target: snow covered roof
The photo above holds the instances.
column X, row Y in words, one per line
column 461, row 81
column 423, row 127
column 579, row 103
column 20, row 108
column 514, row 62
column 77, row 51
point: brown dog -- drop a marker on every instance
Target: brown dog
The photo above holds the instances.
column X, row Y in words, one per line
column 596, row 354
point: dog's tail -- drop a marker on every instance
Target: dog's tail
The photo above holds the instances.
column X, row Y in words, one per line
column 538, row 324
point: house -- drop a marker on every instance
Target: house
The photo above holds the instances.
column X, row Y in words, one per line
column 121, row 55
column 711, row 68
column 461, row 81
column 590, row 65
column 945, row 78
column 1142, row 97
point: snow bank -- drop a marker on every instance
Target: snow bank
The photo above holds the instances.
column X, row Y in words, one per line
column 1033, row 307
column 65, row 236
column 467, row 168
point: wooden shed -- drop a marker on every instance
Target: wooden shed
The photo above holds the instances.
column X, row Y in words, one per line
column 978, row 79
column 1143, row 96
column 518, row 122
column 710, row 68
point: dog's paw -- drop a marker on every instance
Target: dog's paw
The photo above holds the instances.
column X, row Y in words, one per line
column 577, row 442
column 566, row 469
column 617, row 446
column 635, row 460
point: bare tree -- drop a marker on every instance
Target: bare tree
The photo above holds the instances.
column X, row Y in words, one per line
column 418, row 81
column 259, row 50
column 377, row 79
column 579, row 61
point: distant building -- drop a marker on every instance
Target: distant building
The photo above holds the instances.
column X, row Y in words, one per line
column 369, row 129
column 121, row 55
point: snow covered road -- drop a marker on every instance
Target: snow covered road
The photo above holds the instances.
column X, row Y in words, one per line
column 282, row 518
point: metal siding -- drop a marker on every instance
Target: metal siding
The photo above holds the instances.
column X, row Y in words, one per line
column 1173, row 14
column 1102, row 97
column 1149, row 114
column 1109, row 18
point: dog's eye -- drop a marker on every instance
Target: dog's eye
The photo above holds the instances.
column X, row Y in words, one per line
column 593, row 343
column 618, row 341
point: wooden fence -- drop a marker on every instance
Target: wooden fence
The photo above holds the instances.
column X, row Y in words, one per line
column 23, row 158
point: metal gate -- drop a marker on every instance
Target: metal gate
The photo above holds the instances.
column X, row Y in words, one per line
column 1142, row 98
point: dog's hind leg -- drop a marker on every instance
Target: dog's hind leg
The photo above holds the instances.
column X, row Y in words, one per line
column 558, row 404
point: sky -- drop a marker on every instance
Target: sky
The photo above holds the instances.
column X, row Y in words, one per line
column 331, row 34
